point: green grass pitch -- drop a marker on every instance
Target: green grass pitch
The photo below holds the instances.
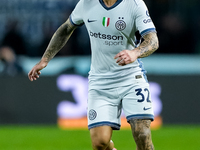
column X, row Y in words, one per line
column 52, row 138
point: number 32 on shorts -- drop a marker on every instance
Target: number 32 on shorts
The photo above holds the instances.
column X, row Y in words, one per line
column 141, row 93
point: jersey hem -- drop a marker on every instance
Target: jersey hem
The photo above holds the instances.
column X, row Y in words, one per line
column 99, row 86
column 129, row 79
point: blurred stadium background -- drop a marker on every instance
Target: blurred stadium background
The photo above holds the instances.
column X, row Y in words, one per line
column 50, row 113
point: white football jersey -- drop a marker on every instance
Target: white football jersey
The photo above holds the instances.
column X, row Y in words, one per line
column 111, row 30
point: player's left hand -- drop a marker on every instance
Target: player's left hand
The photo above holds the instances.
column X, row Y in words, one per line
column 126, row 57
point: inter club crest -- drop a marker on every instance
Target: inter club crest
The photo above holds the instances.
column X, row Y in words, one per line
column 120, row 24
column 92, row 114
column 106, row 21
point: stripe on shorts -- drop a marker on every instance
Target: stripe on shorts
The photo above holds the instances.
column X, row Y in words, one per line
column 140, row 116
column 114, row 126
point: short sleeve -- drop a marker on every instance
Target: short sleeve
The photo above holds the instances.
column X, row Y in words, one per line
column 143, row 21
column 76, row 15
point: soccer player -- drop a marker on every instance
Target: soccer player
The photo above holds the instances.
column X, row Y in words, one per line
column 121, row 32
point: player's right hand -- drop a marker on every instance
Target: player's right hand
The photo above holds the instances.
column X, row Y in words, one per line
column 35, row 71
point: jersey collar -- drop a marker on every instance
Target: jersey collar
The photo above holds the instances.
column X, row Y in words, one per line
column 113, row 6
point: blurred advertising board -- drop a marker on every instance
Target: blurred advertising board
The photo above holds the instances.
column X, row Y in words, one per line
column 62, row 100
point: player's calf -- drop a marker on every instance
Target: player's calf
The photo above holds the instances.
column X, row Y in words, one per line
column 142, row 134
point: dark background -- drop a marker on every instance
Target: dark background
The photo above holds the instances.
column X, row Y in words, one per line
column 27, row 26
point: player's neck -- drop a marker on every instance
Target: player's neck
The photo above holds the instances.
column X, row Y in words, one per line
column 109, row 3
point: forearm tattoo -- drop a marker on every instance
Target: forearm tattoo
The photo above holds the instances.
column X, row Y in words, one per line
column 149, row 45
column 58, row 40
column 142, row 134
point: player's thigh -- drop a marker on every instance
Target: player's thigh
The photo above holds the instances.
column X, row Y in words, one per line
column 103, row 109
column 140, row 126
column 101, row 135
column 137, row 103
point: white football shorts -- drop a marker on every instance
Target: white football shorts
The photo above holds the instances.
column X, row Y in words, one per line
column 105, row 105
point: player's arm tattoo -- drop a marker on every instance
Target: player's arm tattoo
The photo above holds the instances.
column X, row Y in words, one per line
column 58, row 40
column 149, row 45
column 142, row 134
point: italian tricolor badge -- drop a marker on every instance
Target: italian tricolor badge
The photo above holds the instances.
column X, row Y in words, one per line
column 106, row 21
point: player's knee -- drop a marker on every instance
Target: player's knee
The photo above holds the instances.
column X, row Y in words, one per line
column 141, row 131
column 100, row 137
column 142, row 135
column 100, row 144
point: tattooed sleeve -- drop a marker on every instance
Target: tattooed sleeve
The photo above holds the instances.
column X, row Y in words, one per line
column 142, row 134
column 149, row 45
column 58, row 40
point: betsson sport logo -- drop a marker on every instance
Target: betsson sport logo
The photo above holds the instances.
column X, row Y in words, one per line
column 110, row 40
